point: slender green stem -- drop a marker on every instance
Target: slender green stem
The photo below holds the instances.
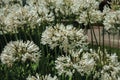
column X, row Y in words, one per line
column 94, row 35
column 4, row 37
column 99, row 35
column 109, row 42
column 103, row 40
column 70, row 77
column 24, row 32
column 16, row 36
column 87, row 77
column 113, row 39
column 91, row 34
column 118, row 38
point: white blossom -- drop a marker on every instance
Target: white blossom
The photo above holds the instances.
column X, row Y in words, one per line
column 112, row 21
column 86, row 64
column 65, row 37
column 110, row 72
column 92, row 16
column 41, row 77
column 20, row 51
column 12, row 2
column 27, row 17
column 64, row 65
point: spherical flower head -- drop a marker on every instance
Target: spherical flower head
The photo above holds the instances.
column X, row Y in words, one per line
column 16, row 51
column 42, row 9
column 86, row 64
column 20, row 18
column 41, row 77
column 100, row 65
column 64, row 65
column 92, row 16
column 110, row 72
column 91, row 4
column 110, row 66
column 5, row 18
column 64, row 37
column 60, row 7
column 12, row 2
column 83, row 5
column 82, row 62
column 112, row 21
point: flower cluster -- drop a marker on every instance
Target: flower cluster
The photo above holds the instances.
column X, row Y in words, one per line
column 20, row 18
column 72, row 7
column 16, row 51
column 64, row 65
column 111, row 69
column 68, row 65
column 112, row 21
column 100, row 65
column 86, row 64
column 28, row 16
column 65, row 37
column 89, row 12
column 34, row 12
column 61, row 6
column 10, row 2
column 37, row 77
column 92, row 16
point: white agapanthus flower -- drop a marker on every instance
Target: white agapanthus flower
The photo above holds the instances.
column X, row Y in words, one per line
column 83, row 5
column 29, row 16
column 65, row 37
column 86, row 4
column 92, row 16
column 112, row 21
column 20, row 51
column 42, row 9
column 38, row 77
column 87, row 11
column 4, row 17
column 12, row 2
column 106, row 10
column 18, row 17
column 86, row 64
column 100, row 65
column 89, row 62
column 22, row 17
column 64, row 65
column 111, row 69
column 61, row 6
column 110, row 66
column 72, row 7
column 110, row 72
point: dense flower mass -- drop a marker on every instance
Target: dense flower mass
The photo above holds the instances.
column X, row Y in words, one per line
column 88, row 11
column 87, row 63
column 65, row 37
column 64, row 65
column 20, row 51
column 29, row 16
column 111, row 69
column 92, row 16
column 68, row 65
column 112, row 21
column 38, row 77
column 23, row 17
column 10, row 2
column 85, row 4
